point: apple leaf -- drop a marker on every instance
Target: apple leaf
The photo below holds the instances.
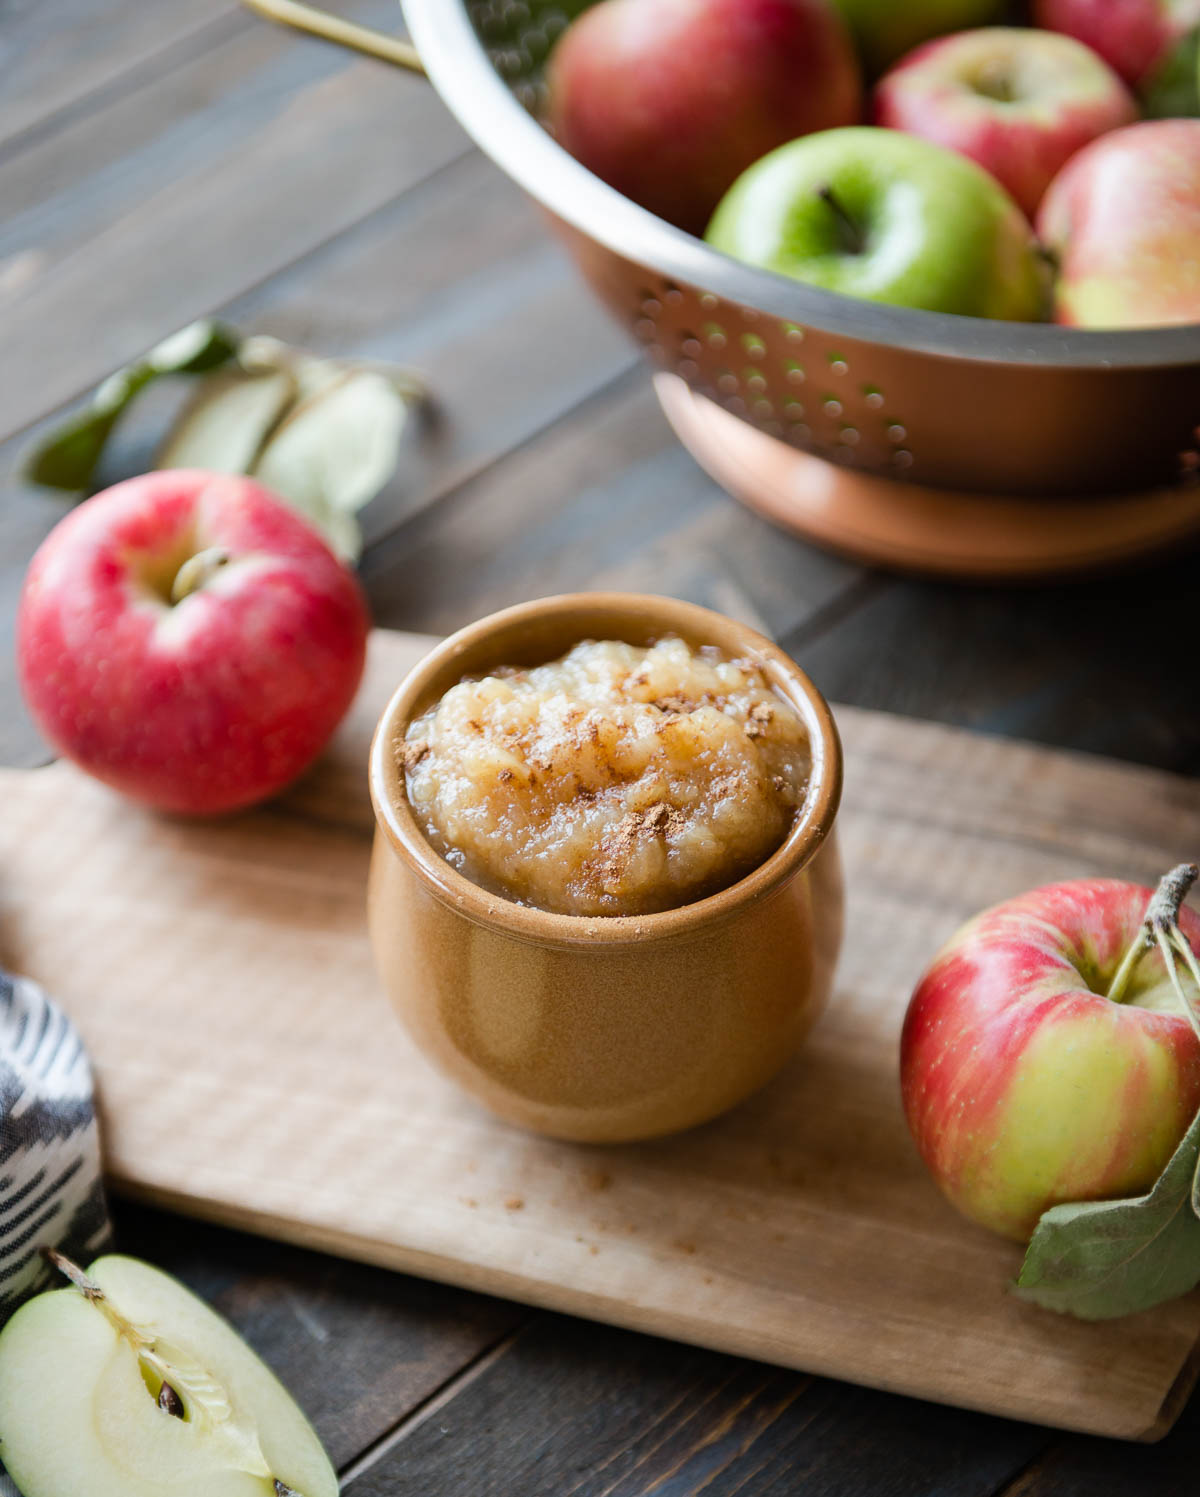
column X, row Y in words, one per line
column 68, row 457
column 224, row 426
column 334, row 451
column 1101, row 1259
column 1173, row 89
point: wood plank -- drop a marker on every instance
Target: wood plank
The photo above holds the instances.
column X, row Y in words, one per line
column 572, row 1410
column 96, row 163
column 1095, row 665
column 55, row 55
column 605, row 499
column 358, row 1347
column 801, row 1228
column 1081, row 1467
column 459, row 280
column 320, row 156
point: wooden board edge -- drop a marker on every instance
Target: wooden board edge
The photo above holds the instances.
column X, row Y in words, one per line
column 1176, row 1400
column 505, row 1284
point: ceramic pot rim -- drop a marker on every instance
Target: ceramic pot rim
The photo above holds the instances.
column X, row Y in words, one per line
column 638, row 618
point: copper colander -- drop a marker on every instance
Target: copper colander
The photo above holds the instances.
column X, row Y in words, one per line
column 915, row 417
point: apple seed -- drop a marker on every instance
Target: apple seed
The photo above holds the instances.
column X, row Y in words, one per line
column 170, row 1402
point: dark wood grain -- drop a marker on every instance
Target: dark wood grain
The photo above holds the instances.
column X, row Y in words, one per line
column 575, row 1410
column 55, row 56
column 303, row 144
column 359, row 1348
column 607, row 499
column 1097, row 665
column 1078, row 1467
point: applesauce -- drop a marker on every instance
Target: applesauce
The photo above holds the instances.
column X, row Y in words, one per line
column 616, row 780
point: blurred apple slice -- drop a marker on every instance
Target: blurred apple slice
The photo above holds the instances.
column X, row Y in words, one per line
column 127, row 1385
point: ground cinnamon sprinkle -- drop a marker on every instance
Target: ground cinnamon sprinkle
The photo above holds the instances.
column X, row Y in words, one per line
column 414, row 751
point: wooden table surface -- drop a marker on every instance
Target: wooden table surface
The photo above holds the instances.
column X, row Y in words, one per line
column 161, row 162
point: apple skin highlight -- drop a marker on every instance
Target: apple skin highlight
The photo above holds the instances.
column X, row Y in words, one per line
column 209, row 704
column 1024, row 1086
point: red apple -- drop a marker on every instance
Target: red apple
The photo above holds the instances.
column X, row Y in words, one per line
column 1123, row 219
column 1018, row 102
column 190, row 640
column 670, row 100
column 1038, row 1065
column 1133, row 36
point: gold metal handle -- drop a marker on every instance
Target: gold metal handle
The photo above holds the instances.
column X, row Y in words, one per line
column 329, row 28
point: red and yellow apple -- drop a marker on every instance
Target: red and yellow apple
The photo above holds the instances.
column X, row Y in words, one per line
column 670, row 100
column 188, row 639
column 1133, row 36
column 1123, row 220
column 1019, row 102
column 1046, row 1056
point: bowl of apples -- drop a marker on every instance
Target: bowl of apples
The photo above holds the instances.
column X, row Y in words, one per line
column 916, row 283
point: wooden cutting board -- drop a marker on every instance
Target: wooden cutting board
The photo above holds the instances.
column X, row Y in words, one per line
column 251, row 1072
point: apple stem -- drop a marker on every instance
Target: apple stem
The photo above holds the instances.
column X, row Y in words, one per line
column 197, row 570
column 87, row 1287
column 851, row 236
column 1161, row 928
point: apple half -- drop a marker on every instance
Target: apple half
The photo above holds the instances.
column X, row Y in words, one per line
column 127, row 1385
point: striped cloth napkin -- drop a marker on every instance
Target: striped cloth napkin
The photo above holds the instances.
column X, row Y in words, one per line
column 51, row 1193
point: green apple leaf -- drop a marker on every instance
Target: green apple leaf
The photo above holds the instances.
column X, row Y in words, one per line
column 68, row 457
column 1101, row 1259
column 1173, row 89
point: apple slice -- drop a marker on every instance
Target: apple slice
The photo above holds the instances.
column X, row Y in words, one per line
column 127, row 1385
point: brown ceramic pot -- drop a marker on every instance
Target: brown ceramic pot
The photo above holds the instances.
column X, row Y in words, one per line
column 604, row 1029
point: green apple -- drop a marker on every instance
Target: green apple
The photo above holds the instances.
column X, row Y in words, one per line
column 888, row 217
column 127, row 1385
column 886, row 29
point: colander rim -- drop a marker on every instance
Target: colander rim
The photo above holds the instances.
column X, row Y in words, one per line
column 464, row 76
